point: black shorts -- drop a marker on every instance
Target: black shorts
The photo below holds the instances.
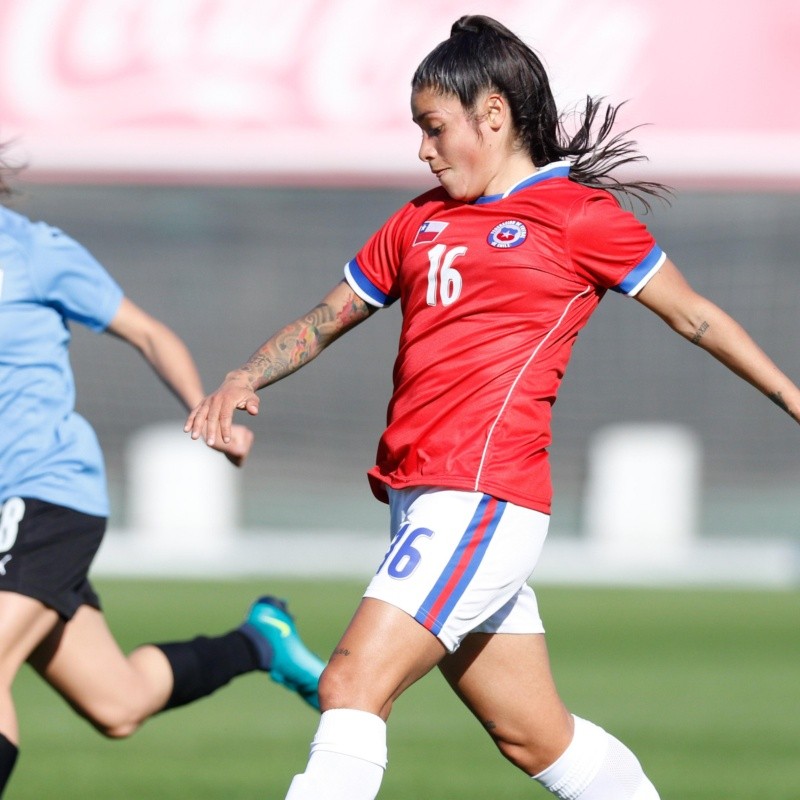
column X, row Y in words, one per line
column 46, row 551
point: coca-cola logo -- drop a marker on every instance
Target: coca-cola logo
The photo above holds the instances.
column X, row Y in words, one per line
column 172, row 63
column 305, row 85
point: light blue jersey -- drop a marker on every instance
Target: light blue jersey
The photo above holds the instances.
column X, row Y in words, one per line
column 47, row 279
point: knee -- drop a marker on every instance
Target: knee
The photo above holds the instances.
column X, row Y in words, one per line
column 112, row 729
column 113, row 721
column 342, row 688
column 529, row 752
column 530, row 758
column 114, row 734
column 333, row 691
column 116, row 731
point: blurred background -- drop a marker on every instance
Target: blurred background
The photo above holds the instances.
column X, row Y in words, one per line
column 225, row 158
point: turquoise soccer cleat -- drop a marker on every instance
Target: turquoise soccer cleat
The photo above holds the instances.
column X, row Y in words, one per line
column 271, row 628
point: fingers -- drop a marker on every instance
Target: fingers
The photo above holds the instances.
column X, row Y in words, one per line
column 212, row 419
column 220, row 418
column 195, row 422
column 239, row 448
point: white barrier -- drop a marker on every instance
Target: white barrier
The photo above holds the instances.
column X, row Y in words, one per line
column 642, row 492
column 182, row 497
column 640, row 523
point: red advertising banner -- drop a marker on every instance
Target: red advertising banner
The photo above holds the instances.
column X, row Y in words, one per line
column 317, row 90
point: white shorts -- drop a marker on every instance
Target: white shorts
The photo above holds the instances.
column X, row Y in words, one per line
column 459, row 562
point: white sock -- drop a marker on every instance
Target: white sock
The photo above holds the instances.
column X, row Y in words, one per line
column 596, row 766
column 348, row 758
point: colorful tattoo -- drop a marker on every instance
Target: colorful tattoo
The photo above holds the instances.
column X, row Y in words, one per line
column 354, row 312
column 300, row 341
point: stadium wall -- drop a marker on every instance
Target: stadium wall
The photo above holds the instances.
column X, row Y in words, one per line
column 227, row 266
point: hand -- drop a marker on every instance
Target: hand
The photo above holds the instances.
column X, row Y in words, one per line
column 212, row 418
column 238, row 449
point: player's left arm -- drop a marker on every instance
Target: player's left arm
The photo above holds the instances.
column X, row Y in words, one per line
column 704, row 324
column 171, row 360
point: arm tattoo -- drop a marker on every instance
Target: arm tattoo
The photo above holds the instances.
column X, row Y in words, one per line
column 700, row 333
column 300, row 341
column 777, row 398
column 354, row 312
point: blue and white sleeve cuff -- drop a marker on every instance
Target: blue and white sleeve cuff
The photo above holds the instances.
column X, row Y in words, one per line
column 364, row 287
column 638, row 277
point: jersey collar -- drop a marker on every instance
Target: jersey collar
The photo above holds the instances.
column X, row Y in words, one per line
column 558, row 169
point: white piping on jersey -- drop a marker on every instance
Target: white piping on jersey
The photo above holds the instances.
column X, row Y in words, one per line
column 514, row 188
column 532, row 356
column 540, row 173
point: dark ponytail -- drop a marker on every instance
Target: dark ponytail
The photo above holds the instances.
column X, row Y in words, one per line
column 483, row 55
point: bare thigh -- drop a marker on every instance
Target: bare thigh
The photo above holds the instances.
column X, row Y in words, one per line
column 24, row 622
column 382, row 652
column 83, row 662
column 506, row 681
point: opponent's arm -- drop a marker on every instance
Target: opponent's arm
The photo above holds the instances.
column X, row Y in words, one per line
column 282, row 354
column 170, row 359
column 706, row 325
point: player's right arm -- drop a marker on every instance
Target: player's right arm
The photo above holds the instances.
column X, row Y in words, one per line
column 282, row 354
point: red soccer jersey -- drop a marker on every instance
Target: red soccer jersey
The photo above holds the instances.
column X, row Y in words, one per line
column 493, row 294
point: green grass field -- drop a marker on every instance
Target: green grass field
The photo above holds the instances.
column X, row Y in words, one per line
column 704, row 686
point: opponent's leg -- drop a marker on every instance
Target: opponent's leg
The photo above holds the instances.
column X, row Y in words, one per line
column 382, row 652
column 266, row 641
column 84, row 663
column 117, row 693
column 8, row 758
column 23, row 623
column 505, row 680
column 271, row 629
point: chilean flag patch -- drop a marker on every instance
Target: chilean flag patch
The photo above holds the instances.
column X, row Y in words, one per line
column 429, row 231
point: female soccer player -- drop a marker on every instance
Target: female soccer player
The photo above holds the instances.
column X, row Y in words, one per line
column 53, row 506
column 496, row 272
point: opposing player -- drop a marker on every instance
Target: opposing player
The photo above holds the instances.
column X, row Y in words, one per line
column 496, row 273
column 53, row 506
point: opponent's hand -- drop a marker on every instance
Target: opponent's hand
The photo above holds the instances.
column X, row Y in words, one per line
column 212, row 418
column 237, row 450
